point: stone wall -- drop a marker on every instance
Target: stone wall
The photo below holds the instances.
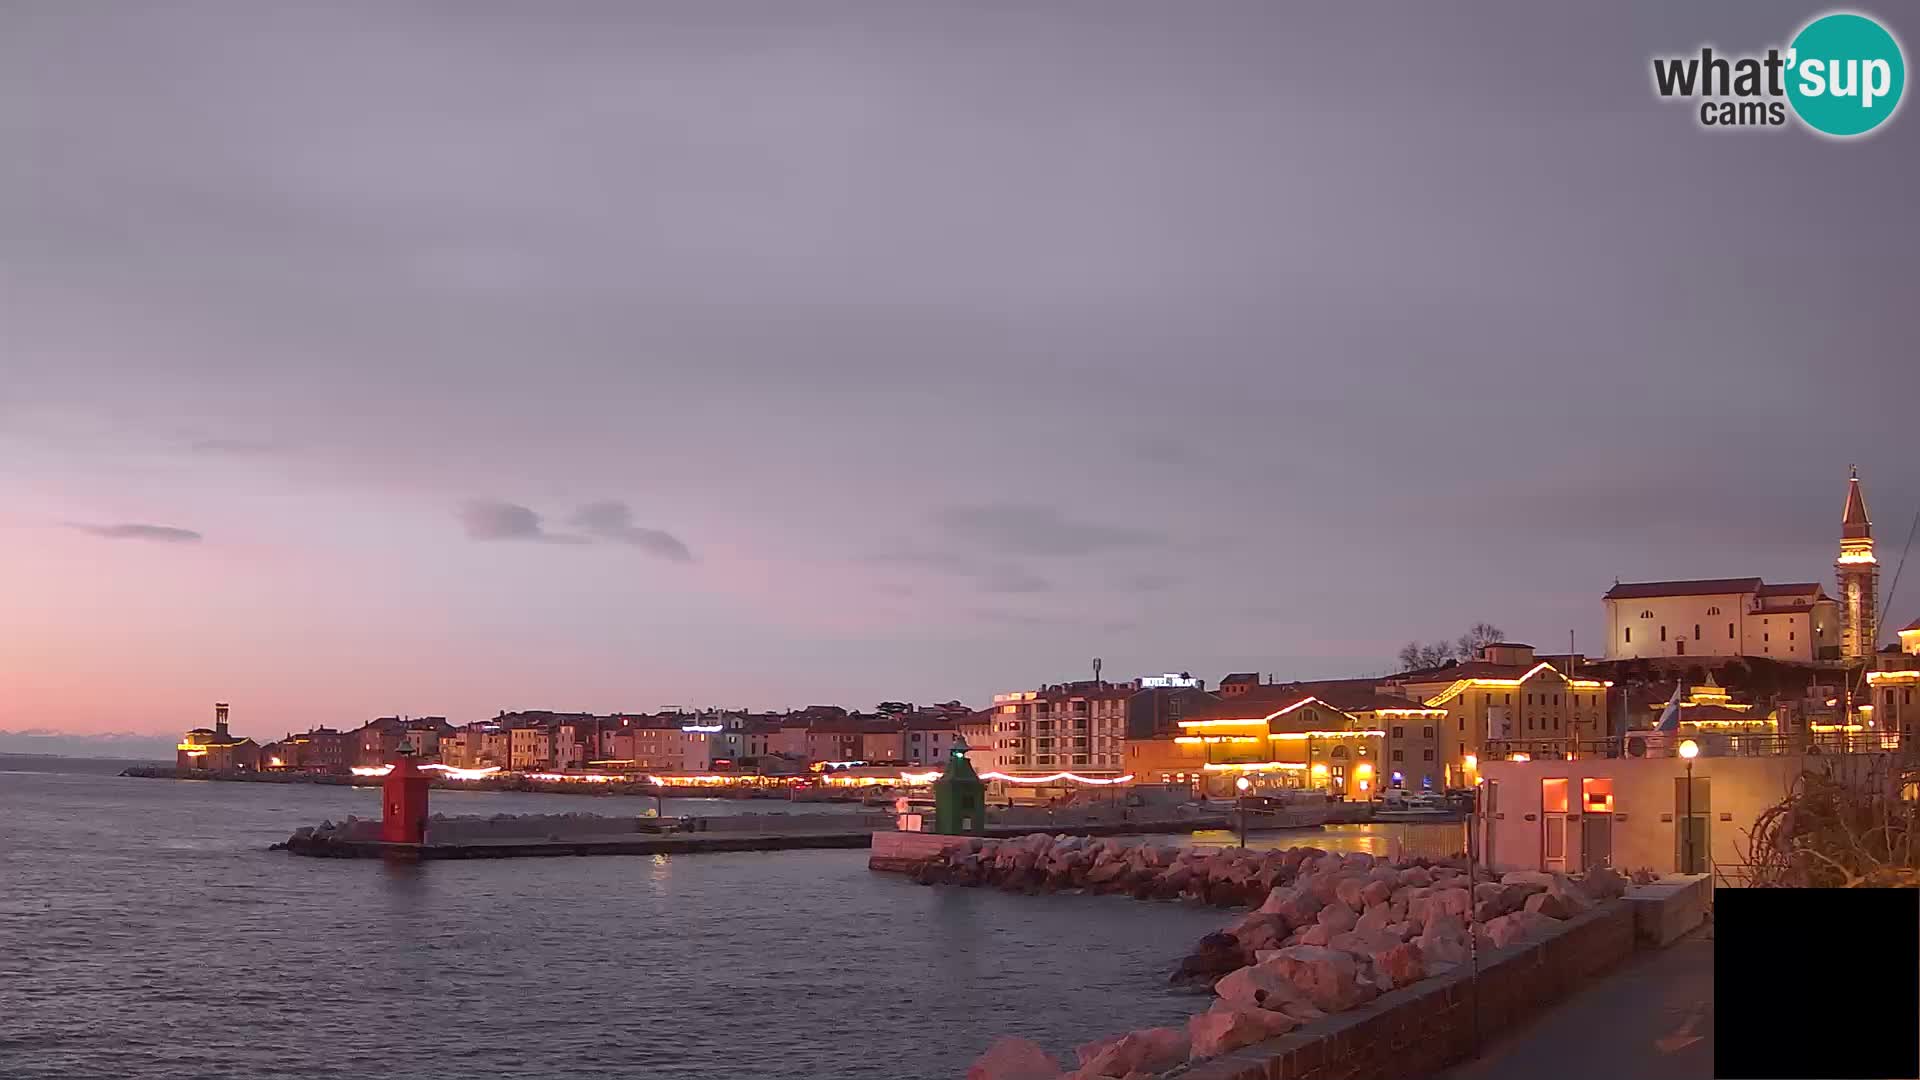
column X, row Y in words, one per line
column 1431, row 1024
column 903, row 852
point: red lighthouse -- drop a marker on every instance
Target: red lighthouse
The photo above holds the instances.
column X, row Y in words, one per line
column 405, row 798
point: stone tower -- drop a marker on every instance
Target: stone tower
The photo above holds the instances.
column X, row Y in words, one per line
column 1859, row 577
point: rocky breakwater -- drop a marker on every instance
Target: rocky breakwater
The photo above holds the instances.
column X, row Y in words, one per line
column 1040, row 863
column 1331, row 933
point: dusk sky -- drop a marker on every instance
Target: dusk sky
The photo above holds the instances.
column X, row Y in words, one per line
column 359, row 360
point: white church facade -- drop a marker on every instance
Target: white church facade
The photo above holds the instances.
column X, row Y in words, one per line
column 1723, row 617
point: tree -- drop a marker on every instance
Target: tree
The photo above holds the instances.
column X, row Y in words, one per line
column 1477, row 637
column 1415, row 655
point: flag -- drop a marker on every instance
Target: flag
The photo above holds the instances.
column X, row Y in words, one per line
column 1670, row 717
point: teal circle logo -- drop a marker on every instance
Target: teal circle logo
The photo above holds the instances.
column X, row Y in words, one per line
column 1845, row 74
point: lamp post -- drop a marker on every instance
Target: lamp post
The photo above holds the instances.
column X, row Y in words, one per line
column 1689, row 750
column 1243, row 784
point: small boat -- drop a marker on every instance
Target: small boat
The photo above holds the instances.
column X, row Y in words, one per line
column 1305, row 810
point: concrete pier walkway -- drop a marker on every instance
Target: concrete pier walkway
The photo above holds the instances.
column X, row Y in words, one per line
column 671, row 843
column 1651, row 1019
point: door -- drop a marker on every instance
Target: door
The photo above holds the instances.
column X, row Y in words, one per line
column 1596, row 822
column 1692, row 839
column 1553, row 824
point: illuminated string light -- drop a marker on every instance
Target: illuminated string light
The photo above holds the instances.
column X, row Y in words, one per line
column 1013, row 779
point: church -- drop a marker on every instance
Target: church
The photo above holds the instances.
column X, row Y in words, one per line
column 1728, row 617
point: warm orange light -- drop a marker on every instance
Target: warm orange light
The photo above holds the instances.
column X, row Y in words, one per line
column 1689, row 749
column 1257, row 766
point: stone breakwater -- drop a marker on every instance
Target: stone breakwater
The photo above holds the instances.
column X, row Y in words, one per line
column 1329, row 934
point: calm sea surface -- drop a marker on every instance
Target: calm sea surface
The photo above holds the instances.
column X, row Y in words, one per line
column 145, row 931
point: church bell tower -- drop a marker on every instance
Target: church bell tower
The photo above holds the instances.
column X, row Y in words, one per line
column 1859, row 577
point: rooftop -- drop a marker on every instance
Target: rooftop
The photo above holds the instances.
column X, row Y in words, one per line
column 1638, row 590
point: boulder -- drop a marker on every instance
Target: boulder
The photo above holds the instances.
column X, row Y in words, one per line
column 1416, row 876
column 1603, row 884
column 1373, row 919
column 1403, row 963
column 1362, row 946
column 1214, row 956
column 1403, row 930
column 1551, row 904
column 1014, row 1059
column 1376, row 893
column 1526, row 877
column 1439, row 952
column 1317, row 934
column 1337, row 917
column 1152, row 1050
column 1350, row 891
column 1486, row 891
column 1216, row 1032
column 1518, row 926
column 1258, row 986
column 1358, row 860
column 1456, row 902
column 1328, row 976
column 1260, row 931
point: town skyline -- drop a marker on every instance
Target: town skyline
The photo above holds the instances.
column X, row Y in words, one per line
column 616, row 361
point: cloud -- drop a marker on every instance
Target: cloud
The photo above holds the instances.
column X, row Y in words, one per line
column 235, row 447
column 159, row 534
column 1012, row 579
column 1151, row 582
column 1038, row 529
column 487, row 520
column 992, row 577
column 614, row 521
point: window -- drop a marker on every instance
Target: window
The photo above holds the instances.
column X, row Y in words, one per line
column 1399, row 755
column 1553, row 796
column 1713, row 611
column 1427, row 733
column 1399, row 732
column 1663, row 633
column 1729, row 631
column 1764, row 637
column 1339, row 751
column 1790, row 635
column 1646, row 614
column 1463, row 724
column 1696, row 631
column 1427, row 755
column 1529, row 699
column 1629, row 635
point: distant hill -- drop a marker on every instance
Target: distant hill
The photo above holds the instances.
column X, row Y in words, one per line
column 122, row 745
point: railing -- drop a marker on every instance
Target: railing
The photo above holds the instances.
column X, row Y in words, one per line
column 1710, row 744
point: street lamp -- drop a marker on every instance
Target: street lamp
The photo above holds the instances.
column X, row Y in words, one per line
column 1689, row 750
column 1243, row 784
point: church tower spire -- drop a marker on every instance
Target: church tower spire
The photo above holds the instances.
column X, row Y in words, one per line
column 1859, row 576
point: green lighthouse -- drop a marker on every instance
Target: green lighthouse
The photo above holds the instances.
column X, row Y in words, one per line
column 959, row 796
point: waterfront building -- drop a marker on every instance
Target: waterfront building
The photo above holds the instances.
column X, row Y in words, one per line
column 1278, row 737
column 1635, row 812
column 1506, row 693
column 929, row 736
column 529, row 745
column 1708, row 709
column 1159, row 702
column 1239, row 683
column 883, row 738
column 976, row 730
column 216, row 749
column 321, row 749
column 1078, row 727
column 1894, row 686
column 664, row 744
